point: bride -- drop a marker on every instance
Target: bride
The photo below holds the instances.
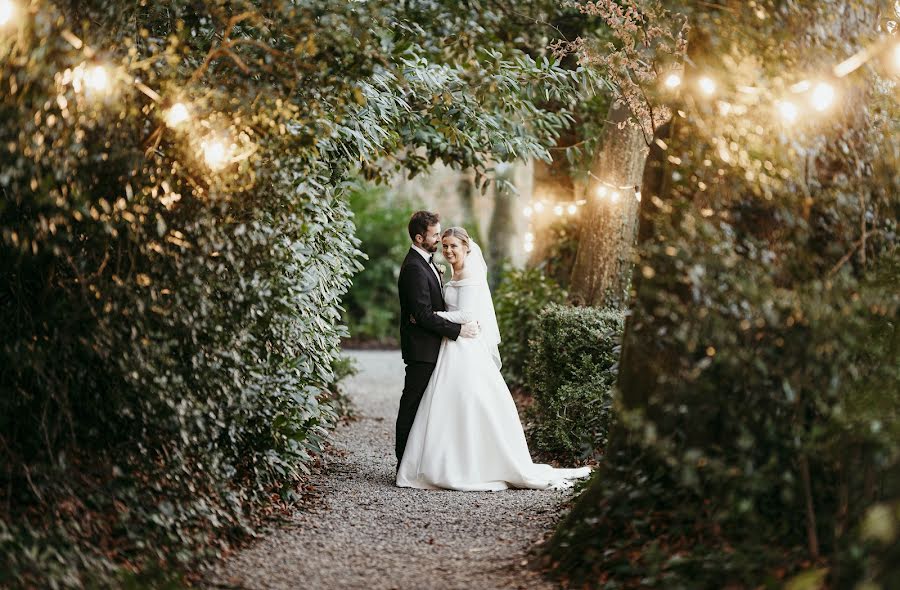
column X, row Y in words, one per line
column 467, row 435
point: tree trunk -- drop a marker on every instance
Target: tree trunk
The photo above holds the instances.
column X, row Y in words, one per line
column 602, row 270
column 637, row 369
column 466, row 190
column 502, row 226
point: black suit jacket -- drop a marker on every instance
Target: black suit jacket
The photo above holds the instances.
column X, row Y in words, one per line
column 421, row 329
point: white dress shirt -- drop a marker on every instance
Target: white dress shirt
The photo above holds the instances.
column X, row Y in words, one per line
column 428, row 258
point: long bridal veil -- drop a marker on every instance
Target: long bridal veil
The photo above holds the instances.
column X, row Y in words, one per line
column 483, row 303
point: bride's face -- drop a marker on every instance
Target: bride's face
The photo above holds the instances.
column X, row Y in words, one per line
column 454, row 251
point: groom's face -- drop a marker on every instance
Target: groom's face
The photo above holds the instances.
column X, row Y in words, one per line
column 431, row 239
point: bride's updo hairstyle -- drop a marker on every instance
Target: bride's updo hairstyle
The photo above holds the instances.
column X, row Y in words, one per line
column 460, row 234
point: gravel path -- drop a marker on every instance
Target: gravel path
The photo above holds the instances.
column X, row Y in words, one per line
column 369, row 534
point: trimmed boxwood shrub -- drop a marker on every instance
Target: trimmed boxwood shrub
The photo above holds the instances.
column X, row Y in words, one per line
column 571, row 372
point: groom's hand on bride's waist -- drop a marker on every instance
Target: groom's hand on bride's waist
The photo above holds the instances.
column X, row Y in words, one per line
column 470, row 330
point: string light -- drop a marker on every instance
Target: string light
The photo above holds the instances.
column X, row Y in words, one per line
column 788, row 111
column 527, row 211
column 672, row 81
column 96, row 79
column 215, row 153
column 601, row 191
column 7, row 12
column 572, row 209
column 539, row 207
column 822, row 96
column 614, row 196
column 637, row 195
column 529, row 246
column 707, row 85
column 558, row 210
column 177, row 115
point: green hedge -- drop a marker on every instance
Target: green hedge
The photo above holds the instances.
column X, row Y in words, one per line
column 519, row 300
column 571, row 374
column 757, row 415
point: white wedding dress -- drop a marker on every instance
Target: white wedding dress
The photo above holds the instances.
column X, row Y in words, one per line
column 467, row 435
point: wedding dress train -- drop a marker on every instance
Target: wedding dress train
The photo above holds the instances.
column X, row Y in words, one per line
column 467, row 435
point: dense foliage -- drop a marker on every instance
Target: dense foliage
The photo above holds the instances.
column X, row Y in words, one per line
column 518, row 301
column 371, row 310
column 170, row 305
column 759, row 434
column 571, row 372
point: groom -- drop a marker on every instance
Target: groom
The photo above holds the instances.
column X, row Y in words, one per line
column 421, row 329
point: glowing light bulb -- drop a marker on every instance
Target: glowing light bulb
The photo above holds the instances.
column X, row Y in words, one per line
column 601, row 191
column 788, row 111
column 529, row 246
column 637, row 195
column 558, row 210
column 672, row 81
column 177, row 114
column 529, row 236
column 7, row 12
column 707, row 85
column 572, row 209
column 215, row 153
column 539, row 206
column 822, row 96
column 96, row 79
column 614, row 196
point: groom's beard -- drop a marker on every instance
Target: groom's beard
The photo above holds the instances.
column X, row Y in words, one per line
column 432, row 248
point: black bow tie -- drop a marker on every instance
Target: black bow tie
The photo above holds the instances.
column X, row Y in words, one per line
column 431, row 259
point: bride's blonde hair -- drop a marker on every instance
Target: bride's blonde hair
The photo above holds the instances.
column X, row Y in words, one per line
column 459, row 233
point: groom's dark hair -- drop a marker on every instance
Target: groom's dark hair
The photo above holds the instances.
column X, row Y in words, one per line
column 420, row 221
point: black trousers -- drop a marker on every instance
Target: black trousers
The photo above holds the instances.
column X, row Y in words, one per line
column 417, row 376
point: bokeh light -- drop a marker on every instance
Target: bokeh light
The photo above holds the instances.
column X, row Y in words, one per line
column 822, row 96
column 7, row 12
column 707, row 85
column 177, row 114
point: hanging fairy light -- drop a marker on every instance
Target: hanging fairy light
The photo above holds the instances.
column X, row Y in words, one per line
column 177, row 115
column 788, row 111
column 529, row 246
column 571, row 209
column 527, row 211
column 558, row 210
column 539, row 207
column 614, row 196
column 215, row 153
column 529, row 236
column 529, row 240
column 7, row 12
column 707, row 85
column 96, row 79
column 822, row 96
column 637, row 195
column 672, row 81
column 601, row 191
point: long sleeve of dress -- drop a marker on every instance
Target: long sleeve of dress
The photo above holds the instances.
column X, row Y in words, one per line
column 460, row 316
